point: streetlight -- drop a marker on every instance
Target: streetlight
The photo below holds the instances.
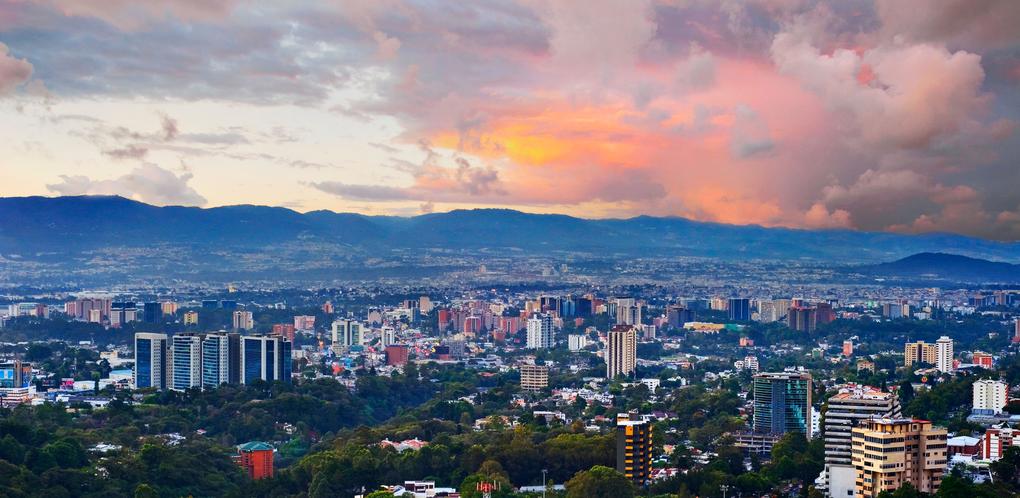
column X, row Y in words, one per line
column 543, row 482
column 724, row 488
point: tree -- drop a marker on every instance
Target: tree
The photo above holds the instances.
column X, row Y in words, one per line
column 600, row 482
column 144, row 490
column 382, row 493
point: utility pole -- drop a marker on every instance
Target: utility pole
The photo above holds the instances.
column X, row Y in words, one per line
column 543, row 482
column 724, row 488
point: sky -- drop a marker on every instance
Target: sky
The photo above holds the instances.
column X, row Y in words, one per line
column 884, row 115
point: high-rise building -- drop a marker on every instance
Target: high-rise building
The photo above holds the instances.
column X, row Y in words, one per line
column 944, row 354
column 891, row 452
column 848, row 348
column 1016, row 330
column 221, row 360
column 425, row 304
column 782, row 403
column 677, row 316
column 540, row 331
column 151, row 362
column 534, row 377
column 186, row 361
column 243, row 320
column 621, row 351
column 824, row 313
column 844, row 411
column 920, row 351
column 265, row 357
column 628, row 311
column 122, row 312
column 634, row 450
column 802, row 318
column 168, row 307
column 256, row 458
column 347, row 332
column 577, row 342
column 152, row 312
column 284, row 330
column 990, row 397
column 739, row 309
column 190, row 318
column 304, row 322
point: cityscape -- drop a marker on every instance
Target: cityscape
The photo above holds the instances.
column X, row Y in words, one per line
column 510, row 249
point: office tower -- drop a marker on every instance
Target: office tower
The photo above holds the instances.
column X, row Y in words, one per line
column 122, row 312
column 540, row 332
column 151, row 362
column 739, row 309
column 221, row 359
column 425, row 304
column 782, row 403
column 265, row 357
column 844, row 411
column 990, row 396
column 648, row 332
column 920, row 351
column 186, row 361
column 848, row 348
column 347, row 332
column 884, row 462
column 396, row 355
column 534, row 377
column 583, row 307
column 1016, row 330
column 577, row 342
column 621, row 351
column 256, row 458
column 677, row 316
column 944, row 354
column 802, row 318
column 152, row 312
column 243, row 320
column 634, row 450
column 190, row 318
column 387, row 336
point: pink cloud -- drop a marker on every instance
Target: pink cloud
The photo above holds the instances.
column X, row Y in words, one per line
column 14, row 72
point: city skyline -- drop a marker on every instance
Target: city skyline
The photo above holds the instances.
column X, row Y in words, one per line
column 860, row 115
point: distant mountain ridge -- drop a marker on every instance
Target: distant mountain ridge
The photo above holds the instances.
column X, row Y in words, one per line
column 934, row 265
column 30, row 226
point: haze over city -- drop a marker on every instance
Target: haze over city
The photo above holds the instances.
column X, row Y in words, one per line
column 881, row 116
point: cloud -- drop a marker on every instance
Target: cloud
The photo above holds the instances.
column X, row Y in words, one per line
column 169, row 126
column 365, row 192
column 130, row 152
column 147, row 183
column 973, row 24
column 132, row 15
column 14, row 72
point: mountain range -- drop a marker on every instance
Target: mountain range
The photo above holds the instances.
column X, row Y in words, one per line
column 36, row 227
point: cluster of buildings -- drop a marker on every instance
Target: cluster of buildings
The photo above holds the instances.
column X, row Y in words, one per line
column 204, row 361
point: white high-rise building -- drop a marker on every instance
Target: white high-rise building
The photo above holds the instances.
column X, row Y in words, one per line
column 347, row 332
column 577, row 342
column 540, row 332
column 944, row 354
column 990, row 396
column 243, row 320
column 621, row 351
column 628, row 311
column 844, row 411
column 186, row 358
